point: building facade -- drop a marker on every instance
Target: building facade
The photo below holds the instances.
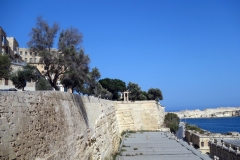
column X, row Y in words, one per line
column 29, row 56
column 9, row 46
column 34, row 59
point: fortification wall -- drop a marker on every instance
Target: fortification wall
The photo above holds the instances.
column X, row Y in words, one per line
column 139, row 115
column 56, row 125
column 50, row 125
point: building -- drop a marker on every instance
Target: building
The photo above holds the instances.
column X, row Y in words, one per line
column 29, row 56
column 225, row 148
column 200, row 140
column 4, row 47
column 10, row 47
column 33, row 58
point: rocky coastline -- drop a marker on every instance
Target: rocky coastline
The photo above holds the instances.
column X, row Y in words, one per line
column 209, row 113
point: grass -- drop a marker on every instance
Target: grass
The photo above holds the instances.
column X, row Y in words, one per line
column 192, row 127
column 130, row 131
column 123, row 150
column 114, row 156
column 125, row 146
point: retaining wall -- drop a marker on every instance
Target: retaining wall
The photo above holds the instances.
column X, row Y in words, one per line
column 56, row 125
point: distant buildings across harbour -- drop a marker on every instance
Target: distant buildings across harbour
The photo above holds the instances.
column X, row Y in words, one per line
column 211, row 112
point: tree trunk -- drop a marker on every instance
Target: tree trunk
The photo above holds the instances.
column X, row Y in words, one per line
column 56, row 87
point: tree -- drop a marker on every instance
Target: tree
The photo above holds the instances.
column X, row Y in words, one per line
column 135, row 91
column 155, row 94
column 114, row 86
column 21, row 77
column 91, row 85
column 143, row 96
column 63, row 62
column 5, row 66
column 43, row 84
column 77, row 73
column 172, row 120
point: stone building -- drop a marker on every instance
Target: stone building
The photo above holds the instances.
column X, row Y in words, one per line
column 29, row 56
column 10, row 47
column 200, row 140
column 34, row 59
column 225, row 148
column 4, row 47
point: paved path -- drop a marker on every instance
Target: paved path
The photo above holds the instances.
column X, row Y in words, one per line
column 157, row 146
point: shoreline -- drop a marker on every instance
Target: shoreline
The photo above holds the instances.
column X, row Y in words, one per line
column 208, row 117
column 210, row 113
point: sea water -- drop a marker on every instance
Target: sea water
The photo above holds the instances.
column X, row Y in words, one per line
column 216, row 125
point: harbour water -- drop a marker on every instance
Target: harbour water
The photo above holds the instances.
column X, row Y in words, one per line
column 216, row 125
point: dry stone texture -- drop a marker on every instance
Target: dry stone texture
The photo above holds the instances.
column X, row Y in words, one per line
column 56, row 125
column 139, row 115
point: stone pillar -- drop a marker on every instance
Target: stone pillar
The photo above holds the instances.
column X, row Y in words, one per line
column 125, row 96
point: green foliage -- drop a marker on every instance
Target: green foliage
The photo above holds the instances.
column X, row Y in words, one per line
column 67, row 64
column 5, row 66
column 142, row 96
column 155, row 94
column 91, row 86
column 114, row 156
column 21, row 77
column 171, row 120
column 193, row 127
column 114, row 86
column 77, row 72
column 43, row 84
column 173, row 127
column 135, row 91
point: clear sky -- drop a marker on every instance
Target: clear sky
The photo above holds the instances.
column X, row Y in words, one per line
column 190, row 49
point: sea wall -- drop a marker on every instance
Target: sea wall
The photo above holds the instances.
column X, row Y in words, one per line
column 50, row 125
column 211, row 112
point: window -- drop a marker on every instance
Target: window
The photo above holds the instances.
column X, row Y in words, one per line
column 6, row 82
column 25, row 53
column 30, row 53
column 35, row 53
column 20, row 52
column 25, row 59
column 35, row 60
column 30, row 60
column 202, row 144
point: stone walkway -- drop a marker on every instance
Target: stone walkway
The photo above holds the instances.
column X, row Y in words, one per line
column 157, row 146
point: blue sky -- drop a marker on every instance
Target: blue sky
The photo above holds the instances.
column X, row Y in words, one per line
column 190, row 49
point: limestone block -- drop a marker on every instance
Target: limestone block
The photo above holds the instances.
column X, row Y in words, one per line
column 4, row 127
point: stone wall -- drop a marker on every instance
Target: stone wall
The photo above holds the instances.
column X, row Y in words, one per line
column 48, row 125
column 56, row 125
column 139, row 115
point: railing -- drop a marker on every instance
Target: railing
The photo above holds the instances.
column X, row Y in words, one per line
column 222, row 145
